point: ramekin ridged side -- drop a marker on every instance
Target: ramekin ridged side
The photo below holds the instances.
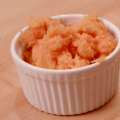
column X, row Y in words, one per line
column 70, row 95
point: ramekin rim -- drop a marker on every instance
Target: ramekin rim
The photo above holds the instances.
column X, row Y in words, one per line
column 14, row 54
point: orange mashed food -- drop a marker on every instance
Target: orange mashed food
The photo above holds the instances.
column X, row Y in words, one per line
column 52, row 44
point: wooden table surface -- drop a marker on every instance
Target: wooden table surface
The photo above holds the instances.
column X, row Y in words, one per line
column 14, row 15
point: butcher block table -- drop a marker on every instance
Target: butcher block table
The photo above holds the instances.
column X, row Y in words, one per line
column 14, row 15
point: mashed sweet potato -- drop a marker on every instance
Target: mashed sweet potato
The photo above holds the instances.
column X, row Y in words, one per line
column 52, row 44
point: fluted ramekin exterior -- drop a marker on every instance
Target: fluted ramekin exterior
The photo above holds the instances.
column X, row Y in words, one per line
column 68, row 96
column 69, row 92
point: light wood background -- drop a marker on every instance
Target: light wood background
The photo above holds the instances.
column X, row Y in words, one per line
column 14, row 15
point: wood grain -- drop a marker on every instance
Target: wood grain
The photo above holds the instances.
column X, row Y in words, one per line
column 14, row 15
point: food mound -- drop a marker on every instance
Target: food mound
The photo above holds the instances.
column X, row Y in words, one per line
column 52, row 44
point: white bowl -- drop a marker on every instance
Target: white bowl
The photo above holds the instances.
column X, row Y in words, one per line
column 68, row 92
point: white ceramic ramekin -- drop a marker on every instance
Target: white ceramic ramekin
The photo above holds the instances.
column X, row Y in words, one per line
column 68, row 92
